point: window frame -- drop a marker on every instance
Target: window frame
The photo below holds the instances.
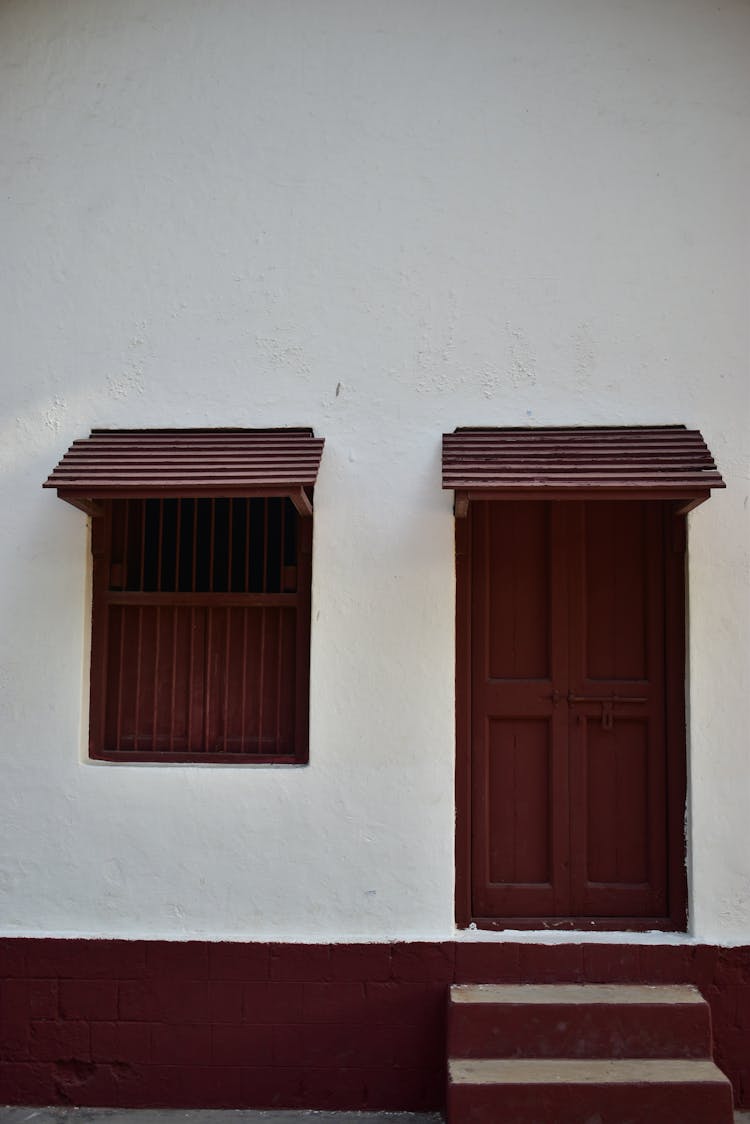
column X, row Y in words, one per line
column 200, row 464
column 103, row 599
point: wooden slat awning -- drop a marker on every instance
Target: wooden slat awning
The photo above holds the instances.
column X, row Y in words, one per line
column 114, row 463
column 602, row 462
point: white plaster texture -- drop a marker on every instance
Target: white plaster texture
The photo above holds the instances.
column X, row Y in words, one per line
column 382, row 220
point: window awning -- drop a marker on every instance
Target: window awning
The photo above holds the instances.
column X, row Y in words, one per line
column 115, row 463
column 603, row 462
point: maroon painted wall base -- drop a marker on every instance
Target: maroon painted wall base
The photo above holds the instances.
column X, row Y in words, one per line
column 203, row 1025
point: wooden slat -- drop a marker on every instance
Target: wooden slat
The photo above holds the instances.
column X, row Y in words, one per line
column 206, row 599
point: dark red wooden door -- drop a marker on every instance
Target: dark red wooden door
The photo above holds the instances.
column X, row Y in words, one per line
column 569, row 748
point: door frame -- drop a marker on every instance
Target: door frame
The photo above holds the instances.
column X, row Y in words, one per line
column 675, row 554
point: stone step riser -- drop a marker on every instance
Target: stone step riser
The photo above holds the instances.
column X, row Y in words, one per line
column 582, row 1054
column 590, row 1104
column 553, row 1030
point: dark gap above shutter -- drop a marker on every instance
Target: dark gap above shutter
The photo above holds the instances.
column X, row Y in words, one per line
column 224, row 546
column 601, row 462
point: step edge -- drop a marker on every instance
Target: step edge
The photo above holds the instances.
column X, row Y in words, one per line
column 569, row 1071
column 520, row 995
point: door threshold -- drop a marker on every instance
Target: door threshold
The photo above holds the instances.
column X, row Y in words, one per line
column 580, row 924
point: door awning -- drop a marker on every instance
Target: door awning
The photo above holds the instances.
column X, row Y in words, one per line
column 117, row 463
column 602, row 462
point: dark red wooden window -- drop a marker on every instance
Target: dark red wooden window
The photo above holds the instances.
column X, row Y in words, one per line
column 201, row 617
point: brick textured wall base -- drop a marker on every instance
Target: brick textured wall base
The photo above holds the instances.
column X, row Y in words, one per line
column 203, row 1025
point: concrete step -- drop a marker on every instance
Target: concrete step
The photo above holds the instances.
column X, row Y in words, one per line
column 578, row 1021
column 591, row 1091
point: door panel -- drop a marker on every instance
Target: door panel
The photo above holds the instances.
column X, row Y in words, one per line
column 518, row 778
column 615, row 587
column 517, row 545
column 568, row 739
column 617, row 802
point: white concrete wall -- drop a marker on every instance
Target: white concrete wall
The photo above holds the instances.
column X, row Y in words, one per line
column 382, row 220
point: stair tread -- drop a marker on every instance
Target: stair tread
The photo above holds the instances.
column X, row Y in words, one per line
column 526, row 1071
column 575, row 993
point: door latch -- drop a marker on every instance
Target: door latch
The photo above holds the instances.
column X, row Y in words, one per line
column 607, row 703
